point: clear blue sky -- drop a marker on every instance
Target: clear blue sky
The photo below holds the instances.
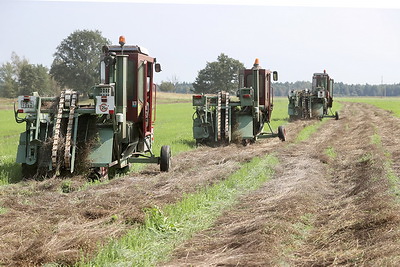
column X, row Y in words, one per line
column 354, row 44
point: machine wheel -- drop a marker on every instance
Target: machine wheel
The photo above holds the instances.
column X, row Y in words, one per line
column 336, row 115
column 165, row 158
column 99, row 174
column 245, row 142
column 282, row 133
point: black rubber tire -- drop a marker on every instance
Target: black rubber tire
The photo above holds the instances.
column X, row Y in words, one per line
column 98, row 174
column 336, row 115
column 245, row 142
column 165, row 158
column 282, row 133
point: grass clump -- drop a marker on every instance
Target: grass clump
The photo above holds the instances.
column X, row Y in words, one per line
column 376, row 139
column 2, row 210
column 306, row 132
column 66, row 186
column 303, row 227
column 391, row 175
column 165, row 228
column 330, row 152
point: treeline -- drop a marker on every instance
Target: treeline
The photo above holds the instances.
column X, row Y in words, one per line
column 282, row 89
column 19, row 77
column 76, row 65
column 342, row 89
column 176, row 87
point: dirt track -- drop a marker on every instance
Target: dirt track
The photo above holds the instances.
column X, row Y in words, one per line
column 318, row 210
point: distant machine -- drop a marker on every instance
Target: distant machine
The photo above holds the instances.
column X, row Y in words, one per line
column 222, row 118
column 315, row 103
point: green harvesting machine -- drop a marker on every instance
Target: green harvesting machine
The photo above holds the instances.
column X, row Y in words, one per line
column 64, row 136
column 221, row 118
column 314, row 103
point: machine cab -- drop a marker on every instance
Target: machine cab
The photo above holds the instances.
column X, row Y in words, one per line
column 259, row 80
column 322, row 85
column 130, row 70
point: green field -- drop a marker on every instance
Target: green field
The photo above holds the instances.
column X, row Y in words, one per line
column 173, row 127
column 388, row 103
column 9, row 138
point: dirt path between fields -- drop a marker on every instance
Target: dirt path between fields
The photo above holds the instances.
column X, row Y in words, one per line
column 328, row 204
column 298, row 218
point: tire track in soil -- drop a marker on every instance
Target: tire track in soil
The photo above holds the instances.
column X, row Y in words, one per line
column 41, row 224
column 318, row 210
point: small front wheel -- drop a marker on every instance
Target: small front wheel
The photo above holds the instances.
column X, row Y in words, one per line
column 98, row 174
column 165, row 158
column 282, row 133
column 336, row 115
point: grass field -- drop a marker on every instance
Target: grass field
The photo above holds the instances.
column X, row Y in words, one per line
column 388, row 103
column 169, row 98
column 173, row 127
column 9, row 138
column 6, row 103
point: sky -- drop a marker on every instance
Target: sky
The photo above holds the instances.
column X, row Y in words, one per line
column 356, row 42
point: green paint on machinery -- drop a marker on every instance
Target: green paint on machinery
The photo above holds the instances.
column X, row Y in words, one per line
column 222, row 118
column 64, row 136
column 314, row 103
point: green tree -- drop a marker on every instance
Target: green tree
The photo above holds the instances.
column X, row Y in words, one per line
column 9, row 75
column 167, row 87
column 184, row 88
column 77, row 60
column 35, row 78
column 8, row 83
column 220, row 75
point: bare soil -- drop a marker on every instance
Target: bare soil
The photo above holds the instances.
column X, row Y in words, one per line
column 318, row 210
